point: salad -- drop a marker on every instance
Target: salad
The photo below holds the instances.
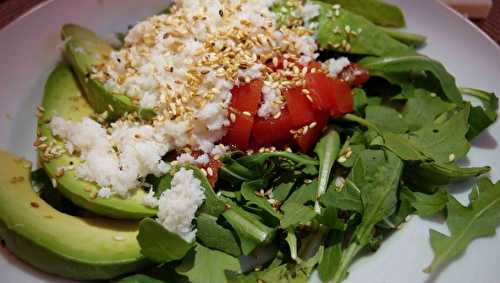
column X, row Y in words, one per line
column 245, row 141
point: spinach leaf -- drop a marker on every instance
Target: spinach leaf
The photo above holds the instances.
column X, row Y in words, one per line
column 481, row 117
column 465, row 224
column 378, row 12
column 345, row 198
column 160, row 245
column 331, row 258
column 295, row 214
column 281, row 191
column 209, row 266
column 343, row 31
column 258, row 159
column 360, row 99
column 410, row 39
column 327, row 150
column 377, row 177
column 427, row 205
column 302, row 195
column 250, row 230
column 404, row 69
column 248, row 190
column 214, row 236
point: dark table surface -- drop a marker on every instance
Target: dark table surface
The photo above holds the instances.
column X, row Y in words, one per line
column 11, row 9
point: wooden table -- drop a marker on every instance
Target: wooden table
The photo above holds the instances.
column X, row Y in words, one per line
column 11, row 9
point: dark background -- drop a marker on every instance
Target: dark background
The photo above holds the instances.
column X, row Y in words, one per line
column 11, row 9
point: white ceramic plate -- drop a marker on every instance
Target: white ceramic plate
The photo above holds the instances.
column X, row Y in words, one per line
column 29, row 49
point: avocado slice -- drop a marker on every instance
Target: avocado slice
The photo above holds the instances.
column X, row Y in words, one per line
column 84, row 49
column 58, row 243
column 63, row 98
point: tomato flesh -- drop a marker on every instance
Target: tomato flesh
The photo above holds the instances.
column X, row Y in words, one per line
column 344, row 102
column 300, row 108
column 246, row 97
column 272, row 132
column 307, row 141
column 238, row 132
column 329, row 94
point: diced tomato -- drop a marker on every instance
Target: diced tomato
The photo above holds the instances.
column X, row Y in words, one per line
column 344, row 102
column 272, row 132
column 276, row 64
column 329, row 94
column 314, row 65
column 247, row 97
column 354, row 75
column 307, row 141
column 213, row 172
column 238, row 132
column 302, row 112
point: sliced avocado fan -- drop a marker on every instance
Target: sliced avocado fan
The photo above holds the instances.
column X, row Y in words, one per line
column 84, row 49
column 57, row 243
column 63, row 98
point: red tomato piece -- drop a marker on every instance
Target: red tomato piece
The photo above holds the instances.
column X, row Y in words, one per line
column 314, row 65
column 344, row 102
column 307, row 141
column 213, row 172
column 318, row 85
column 354, row 75
column 238, row 132
column 302, row 112
column 247, row 97
column 272, row 132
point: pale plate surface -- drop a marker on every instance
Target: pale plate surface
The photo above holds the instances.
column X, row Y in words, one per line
column 30, row 48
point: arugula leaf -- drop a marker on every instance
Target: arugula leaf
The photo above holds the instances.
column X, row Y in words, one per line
column 233, row 171
column 209, row 266
column 248, row 190
column 327, row 150
column 360, row 99
column 465, row 224
column 214, row 236
column 160, row 245
column 331, row 258
column 250, row 230
column 436, row 173
column 302, row 195
column 481, row 117
column 422, row 109
column 405, row 208
column 386, row 118
column 411, row 39
column 291, row 239
column 345, row 198
column 295, row 214
column 139, row 278
column 404, row 69
column 281, row 191
column 258, row 159
column 427, row 205
column 377, row 175
column 362, row 37
column 378, row 12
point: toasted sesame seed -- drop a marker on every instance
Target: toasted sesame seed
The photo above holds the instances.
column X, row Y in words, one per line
column 232, row 117
column 54, row 182
column 451, row 157
column 34, row 204
column 342, row 159
column 246, row 113
column 119, row 238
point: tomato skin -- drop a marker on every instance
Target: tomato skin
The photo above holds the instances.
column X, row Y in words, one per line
column 300, row 108
column 344, row 102
column 238, row 132
column 246, row 97
column 272, row 132
column 307, row 141
column 213, row 174
column 319, row 90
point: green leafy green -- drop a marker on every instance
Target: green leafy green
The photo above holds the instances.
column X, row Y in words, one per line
column 209, row 266
column 481, row 117
column 248, row 190
column 423, row 108
column 348, row 32
column 331, row 258
column 465, row 224
column 159, row 244
column 376, row 175
column 435, row 173
column 302, row 195
column 410, row 39
column 386, row 118
column 378, row 12
column 212, row 204
column 345, row 198
column 139, row 278
column 427, row 205
column 258, row 159
column 249, row 229
column 291, row 239
column 214, row 236
column 404, row 69
column 327, row 150
column 281, row 191
column 295, row 214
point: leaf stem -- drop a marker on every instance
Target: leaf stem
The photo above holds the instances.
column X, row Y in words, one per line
column 361, row 121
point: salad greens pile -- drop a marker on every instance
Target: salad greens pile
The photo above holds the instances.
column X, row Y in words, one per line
column 276, row 216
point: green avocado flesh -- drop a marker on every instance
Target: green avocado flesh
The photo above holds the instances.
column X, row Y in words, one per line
column 57, row 243
column 84, row 49
column 63, row 98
